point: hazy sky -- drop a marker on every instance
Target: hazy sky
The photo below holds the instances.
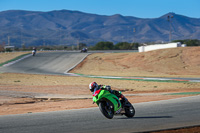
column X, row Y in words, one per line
column 136, row 8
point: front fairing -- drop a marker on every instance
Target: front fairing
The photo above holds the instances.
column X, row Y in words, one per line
column 104, row 94
column 99, row 94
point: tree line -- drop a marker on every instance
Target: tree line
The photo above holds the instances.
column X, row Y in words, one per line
column 189, row 42
column 103, row 45
column 134, row 46
column 118, row 46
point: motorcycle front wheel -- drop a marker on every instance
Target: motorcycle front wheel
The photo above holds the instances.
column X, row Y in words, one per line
column 129, row 110
column 106, row 110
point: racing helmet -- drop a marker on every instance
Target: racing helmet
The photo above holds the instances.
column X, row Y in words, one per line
column 92, row 86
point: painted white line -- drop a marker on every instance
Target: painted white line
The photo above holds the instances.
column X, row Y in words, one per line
column 66, row 72
column 194, row 80
column 156, row 78
column 72, row 74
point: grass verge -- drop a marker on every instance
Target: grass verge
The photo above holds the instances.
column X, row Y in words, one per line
column 16, row 58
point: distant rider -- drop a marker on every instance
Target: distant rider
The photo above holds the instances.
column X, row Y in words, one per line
column 34, row 51
column 94, row 87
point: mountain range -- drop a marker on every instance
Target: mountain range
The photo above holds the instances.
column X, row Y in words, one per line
column 65, row 27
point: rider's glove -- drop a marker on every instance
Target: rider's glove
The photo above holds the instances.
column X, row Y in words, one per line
column 108, row 88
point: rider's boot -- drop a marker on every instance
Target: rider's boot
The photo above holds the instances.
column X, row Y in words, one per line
column 124, row 99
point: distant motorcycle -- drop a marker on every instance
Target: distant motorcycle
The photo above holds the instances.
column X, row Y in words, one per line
column 84, row 50
column 33, row 52
column 110, row 105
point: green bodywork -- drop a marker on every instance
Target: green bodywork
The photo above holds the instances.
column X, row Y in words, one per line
column 106, row 95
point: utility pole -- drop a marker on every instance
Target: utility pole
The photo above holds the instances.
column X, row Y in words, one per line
column 128, row 30
column 169, row 18
column 21, row 27
column 133, row 34
column 8, row 40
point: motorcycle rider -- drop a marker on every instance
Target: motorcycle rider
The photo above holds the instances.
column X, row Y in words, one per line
column 94, row 87
column 34, row 51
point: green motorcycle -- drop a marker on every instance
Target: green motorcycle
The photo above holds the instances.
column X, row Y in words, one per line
column 110, row 105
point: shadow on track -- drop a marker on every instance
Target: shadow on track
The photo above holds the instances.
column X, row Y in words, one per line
column 148, row 117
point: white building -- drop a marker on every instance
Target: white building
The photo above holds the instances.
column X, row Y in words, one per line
column 160, row 46
column 9, row 47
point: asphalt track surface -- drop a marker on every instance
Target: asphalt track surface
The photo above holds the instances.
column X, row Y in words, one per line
column 150, row 116
column 55, row 63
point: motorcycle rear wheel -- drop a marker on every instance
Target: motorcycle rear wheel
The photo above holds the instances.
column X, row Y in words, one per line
column 106, row 110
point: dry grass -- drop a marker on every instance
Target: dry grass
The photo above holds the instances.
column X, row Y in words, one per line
column 48, row 80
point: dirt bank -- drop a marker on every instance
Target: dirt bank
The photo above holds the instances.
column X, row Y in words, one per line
column 174, row 62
